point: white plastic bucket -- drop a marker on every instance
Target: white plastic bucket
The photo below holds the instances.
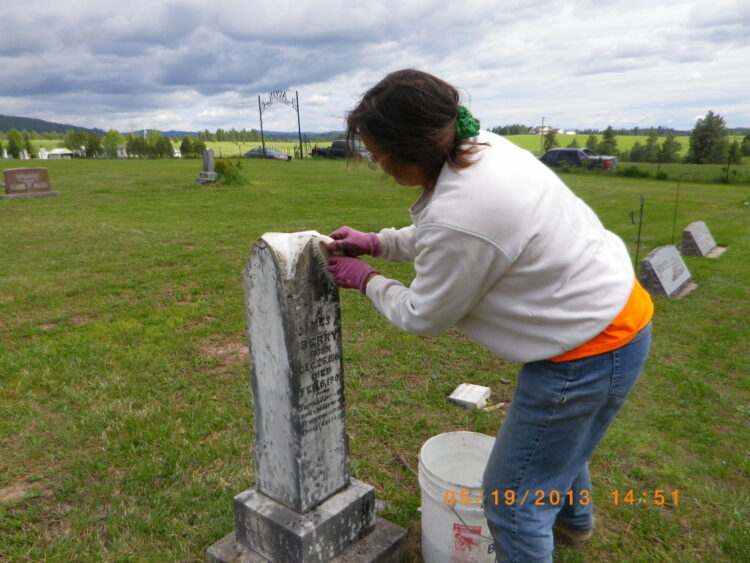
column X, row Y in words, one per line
column 454, row 529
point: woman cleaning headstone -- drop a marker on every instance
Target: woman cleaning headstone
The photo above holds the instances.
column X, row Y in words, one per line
column 507, row 253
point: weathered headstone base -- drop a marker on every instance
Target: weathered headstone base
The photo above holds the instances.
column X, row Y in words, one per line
column 385, row 544
column 685, row 290
column 716, row 252
column 281, row 534
column 30, row 195
column 207, row 177
column 343, row 528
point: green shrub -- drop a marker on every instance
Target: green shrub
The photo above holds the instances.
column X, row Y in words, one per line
column 633, row 172
column 230, row 173
column 223, row 166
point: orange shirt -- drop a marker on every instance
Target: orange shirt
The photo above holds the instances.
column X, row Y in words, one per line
column 634, row 316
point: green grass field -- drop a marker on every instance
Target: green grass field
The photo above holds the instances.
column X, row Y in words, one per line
column 125, row 411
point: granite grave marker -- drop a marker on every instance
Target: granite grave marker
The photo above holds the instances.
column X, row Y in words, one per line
column 697, row 241
column 305, row 506
column 208, row 174
column 26, row 183
column 663, row 272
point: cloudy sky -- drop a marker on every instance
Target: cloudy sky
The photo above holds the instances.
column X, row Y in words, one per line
column 194, row 64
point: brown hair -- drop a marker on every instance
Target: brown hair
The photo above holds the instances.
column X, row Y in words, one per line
column 411, row 116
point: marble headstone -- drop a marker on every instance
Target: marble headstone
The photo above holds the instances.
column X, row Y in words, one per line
column 296, row 338
column 208, row 174
column 697, row 241
column 26, row 183
column 305, row 506
column 663, row 272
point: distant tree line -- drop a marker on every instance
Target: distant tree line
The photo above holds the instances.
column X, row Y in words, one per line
column 515, row 129
column 653, row 151
column 243, row 136
column 232, row 135
column 88, row 144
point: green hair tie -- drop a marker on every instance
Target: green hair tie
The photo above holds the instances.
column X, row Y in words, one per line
column 466, row 125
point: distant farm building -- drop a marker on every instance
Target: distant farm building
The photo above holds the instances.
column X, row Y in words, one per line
column 545, row 129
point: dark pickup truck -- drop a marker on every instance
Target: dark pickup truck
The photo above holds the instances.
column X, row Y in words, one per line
column 338, row 149
column 578, row 157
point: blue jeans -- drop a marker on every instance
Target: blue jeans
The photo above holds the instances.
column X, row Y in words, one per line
column 537, row 472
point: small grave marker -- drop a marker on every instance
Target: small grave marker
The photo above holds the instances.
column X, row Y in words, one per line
column 697, row 241
column 663, row 272
column 26, row 183
column 208, row 174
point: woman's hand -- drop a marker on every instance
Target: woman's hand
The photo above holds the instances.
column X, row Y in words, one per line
column 352, row 273
column 351, row 242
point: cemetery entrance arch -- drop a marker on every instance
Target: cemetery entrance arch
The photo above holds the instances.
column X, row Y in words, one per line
column 280, row 96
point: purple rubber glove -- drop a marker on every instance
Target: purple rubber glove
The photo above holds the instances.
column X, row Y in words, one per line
column 351, row 242
column 349, row 272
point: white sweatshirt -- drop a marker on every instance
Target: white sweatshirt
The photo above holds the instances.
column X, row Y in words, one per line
column 510, row 255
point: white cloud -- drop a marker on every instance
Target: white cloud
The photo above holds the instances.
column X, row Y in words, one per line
column 584, row 64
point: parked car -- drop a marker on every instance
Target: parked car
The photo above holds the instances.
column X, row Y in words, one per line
column 338, row 149
column 270, row 152
column 578, row 157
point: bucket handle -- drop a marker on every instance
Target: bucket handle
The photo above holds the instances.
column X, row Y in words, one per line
column 453, row 509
